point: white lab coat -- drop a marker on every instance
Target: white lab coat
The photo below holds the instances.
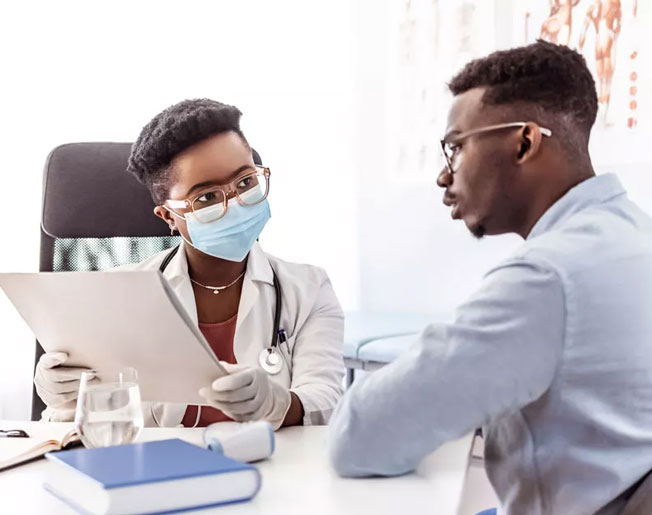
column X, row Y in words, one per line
column 311, row 317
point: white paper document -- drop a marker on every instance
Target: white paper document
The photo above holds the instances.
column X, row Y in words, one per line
column 111, row 320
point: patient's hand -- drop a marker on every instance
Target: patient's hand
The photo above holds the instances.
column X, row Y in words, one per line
column 57, row 385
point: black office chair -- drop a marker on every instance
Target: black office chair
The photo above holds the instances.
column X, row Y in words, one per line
column 95, row 215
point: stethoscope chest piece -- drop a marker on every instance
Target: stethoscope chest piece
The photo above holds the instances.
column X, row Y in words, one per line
column 270, row 360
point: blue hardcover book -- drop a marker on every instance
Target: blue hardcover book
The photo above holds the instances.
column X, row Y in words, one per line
column 150, row 477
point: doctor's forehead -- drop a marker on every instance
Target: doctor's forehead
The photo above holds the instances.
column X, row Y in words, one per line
column 216, row 158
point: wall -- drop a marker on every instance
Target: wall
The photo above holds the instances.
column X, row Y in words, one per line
column 413, row 257
column 310, row 78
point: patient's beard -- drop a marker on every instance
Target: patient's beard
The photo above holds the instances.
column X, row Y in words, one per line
column 478, row 231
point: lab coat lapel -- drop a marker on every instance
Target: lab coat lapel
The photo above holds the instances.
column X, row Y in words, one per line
column 176, row 273
column 248, row 299
column 177, row 276
column 259, row 273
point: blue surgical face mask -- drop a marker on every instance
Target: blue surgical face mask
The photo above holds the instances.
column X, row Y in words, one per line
column 232, row 236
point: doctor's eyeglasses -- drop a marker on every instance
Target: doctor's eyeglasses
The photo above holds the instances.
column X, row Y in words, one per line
column 451, row 147
column 210, row 204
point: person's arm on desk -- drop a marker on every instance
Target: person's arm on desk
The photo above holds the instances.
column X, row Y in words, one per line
column 295, row 413
column 500, row 354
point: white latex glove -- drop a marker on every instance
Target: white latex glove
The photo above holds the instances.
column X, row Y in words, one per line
column 247, row 393
column 58, row 386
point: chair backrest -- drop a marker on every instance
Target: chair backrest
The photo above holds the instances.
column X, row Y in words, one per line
column 95, row 215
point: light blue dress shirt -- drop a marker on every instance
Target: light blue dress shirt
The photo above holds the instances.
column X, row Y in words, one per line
column 552, row 356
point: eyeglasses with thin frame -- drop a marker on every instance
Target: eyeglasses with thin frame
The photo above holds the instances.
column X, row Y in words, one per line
column 451, row 149
column 249, row 188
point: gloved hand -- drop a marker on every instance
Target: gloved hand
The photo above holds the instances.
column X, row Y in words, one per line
column 247, row 393
column 58, row 386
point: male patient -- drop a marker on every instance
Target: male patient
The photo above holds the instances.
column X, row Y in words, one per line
column 552, row 356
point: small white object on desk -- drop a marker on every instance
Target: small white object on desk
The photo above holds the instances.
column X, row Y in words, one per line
column 251, row 441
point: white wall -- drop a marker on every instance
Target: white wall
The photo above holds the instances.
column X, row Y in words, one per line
column 310, row 78
column 412, row 256
column 98, row 71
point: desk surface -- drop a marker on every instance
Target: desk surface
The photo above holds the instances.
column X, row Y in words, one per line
column 296, row 480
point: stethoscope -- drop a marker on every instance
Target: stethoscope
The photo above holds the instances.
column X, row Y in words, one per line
column 270, row 358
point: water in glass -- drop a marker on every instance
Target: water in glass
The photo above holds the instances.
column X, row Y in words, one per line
column 108, row 408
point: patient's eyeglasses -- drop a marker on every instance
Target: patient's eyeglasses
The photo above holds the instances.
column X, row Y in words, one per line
column 210, row 204
column 451, row 147
column 13, row 433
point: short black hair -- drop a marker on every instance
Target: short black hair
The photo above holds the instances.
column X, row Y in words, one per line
column 171, row 132
column 554, row 78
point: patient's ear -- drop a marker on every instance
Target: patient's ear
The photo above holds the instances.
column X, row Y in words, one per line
column 528, row 143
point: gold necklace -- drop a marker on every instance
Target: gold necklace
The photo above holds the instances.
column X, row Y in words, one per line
column 217, row 289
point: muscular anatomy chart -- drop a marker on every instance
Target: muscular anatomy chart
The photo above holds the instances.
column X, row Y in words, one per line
column 615, row 39
column 609, row 33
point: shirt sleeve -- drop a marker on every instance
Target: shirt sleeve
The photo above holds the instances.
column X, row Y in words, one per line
column 500, row 354
column 317, row 363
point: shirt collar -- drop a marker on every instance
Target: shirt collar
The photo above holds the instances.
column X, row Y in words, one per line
column 258, row 266
column 589, row 192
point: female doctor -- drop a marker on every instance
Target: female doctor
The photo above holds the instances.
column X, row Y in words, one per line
column 200, row 171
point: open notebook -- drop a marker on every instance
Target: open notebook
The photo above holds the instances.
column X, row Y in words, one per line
column 17, row 451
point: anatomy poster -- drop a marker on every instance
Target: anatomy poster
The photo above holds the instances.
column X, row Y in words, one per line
column 428, row 42
column 614, row 38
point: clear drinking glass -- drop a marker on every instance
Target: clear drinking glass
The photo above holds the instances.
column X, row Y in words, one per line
column 108, row 408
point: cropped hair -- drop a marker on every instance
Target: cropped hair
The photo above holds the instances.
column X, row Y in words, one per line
column 552, row 78
column 171, row 132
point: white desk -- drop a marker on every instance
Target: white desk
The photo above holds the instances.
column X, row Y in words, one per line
column 296, row 480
